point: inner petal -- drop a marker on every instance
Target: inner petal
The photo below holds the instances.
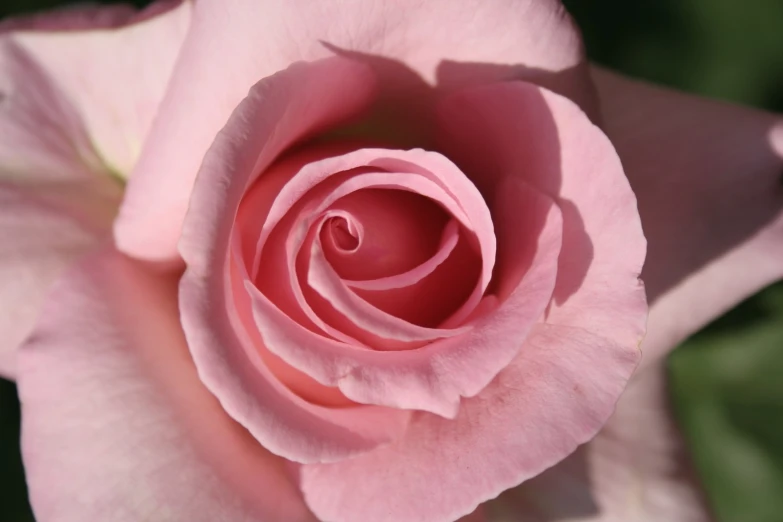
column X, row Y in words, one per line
column 342, row 234
column 400, row 231
column 436, row 297
column 444, row 273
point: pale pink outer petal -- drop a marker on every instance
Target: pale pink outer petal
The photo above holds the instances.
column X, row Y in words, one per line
column 66, row 98
column 708, row 178
column 431, row 175
column 635, row 470
column 442, row 41
column 54, row 201
column 114, row 78
column 278, row 112
column 116, row 424
column 520, row 130
column 43, row 229
column 555, row 395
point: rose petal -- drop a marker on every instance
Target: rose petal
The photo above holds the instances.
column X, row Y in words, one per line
column 517, row 130
column 252, row 40
column 399, row 231
column 114, row 79
column 324, row 280
column 44, row 228
column 56, row 194
column 116, row 424
column 465, row 202
column 278, row 111
column 54, row 203
column 635, row 470
column 708, row 178
column 522, row 131
column 318, row 180
column 435, row 377
column 555, row 395
column 265, row 393
column 410, row 277
column 307, row 183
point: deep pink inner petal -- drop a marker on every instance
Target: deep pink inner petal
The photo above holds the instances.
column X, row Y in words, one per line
column 367, row 253
column 356, row 317
column 437, row 296
column 435, row 377
column 342, row 235
column 289, row 230
column 448, row 241
column 401, row 231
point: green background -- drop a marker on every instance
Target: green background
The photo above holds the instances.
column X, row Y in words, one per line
column 727, row 380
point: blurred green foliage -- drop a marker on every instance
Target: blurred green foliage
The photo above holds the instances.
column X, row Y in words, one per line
column 727, row 381
column 718, row 48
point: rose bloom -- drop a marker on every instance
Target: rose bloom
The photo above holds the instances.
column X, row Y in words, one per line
column 360, row 261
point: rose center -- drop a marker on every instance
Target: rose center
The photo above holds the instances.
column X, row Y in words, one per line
column 381, row 233
column 401, row 252
column 341, row 235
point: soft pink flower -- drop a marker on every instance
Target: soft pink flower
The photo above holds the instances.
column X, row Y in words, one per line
column 375, row 261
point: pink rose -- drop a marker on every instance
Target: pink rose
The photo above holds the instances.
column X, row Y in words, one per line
column 374, row 261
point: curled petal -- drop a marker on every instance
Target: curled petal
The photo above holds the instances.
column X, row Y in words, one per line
column 324, row 280
column 419, row 272
column 436, row 376
column 521, row 131
column 277, row 112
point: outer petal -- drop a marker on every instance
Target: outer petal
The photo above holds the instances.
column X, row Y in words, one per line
column 555, row 395
column 519, row 130
column 116, row 424
column 56, row 192
column 407, row 42
column 635, row 470
column 708, row 178
column 114, row 79
column 43, row 229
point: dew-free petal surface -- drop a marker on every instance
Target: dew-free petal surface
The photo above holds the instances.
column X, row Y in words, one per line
column 434, row 377
column 44, row 228
column 116, row 424
column 519, row 130
column 554, row 396
column 453, row 43
column 635, row 470
column 70, row 85
column 113, row 77
column 278, row 112
column 708, row 178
